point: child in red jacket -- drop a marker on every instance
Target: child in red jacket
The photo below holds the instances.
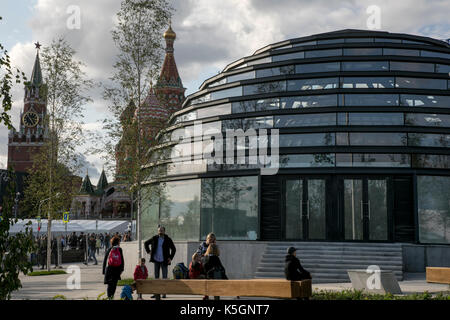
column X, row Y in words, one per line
column 196, row 270
column 140, row 272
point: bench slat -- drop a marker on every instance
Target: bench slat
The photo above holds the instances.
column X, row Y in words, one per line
column 438, row 275
column 275, row 288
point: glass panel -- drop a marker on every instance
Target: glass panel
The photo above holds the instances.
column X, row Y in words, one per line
column 400, row 52
column 330, row 41
column 352, row 40
column 221, row 94
column 307, row 140
column 442, row 68
column 315, row 209
column 289, row 56
column 255, row 105
column 435, row 54
column 369, row 82
column 371, row 99
column 180, row 209
column 370, row 119
column 365, row 66
column 150, row 210
column 307, row 43
column 214, row 111
column 307, row 160
column 305, row 120
column 218, row 83
column 271, row 72
column 283, row 47
column 427, row 119
column 377, row 139
column 372, row 160
column 241, row 76
column 259, row 61
column 323, row 53
column 229, row 208
column 317, row 67
column 420, row 83
column 186, row 117
column 294, row 199
column 428, row 140
column 353, row 194
column 377, row 207
column 363, row 51
column 412, row 66
column 266, row 87
column 329, row 100
column 248, row 123
column 313, row 84
column 415, row 100
column 433, row 194
column 387, row 40
column 435, row 161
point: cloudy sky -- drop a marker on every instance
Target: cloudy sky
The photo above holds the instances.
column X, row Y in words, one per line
column 210, row 35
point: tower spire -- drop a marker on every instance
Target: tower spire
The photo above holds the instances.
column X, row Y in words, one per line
column 36, row 74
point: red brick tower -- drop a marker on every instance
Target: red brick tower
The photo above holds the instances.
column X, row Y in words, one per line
column 169, row 88
column 27, row 142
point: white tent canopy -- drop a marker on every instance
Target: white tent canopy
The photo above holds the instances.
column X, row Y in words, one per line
column 58, row 227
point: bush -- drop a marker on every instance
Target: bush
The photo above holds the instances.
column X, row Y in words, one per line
column 125, row 282
column 46, row 273
column 360, row 295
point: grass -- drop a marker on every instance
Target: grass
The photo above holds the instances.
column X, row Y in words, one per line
column 124, row 282
column 359, row 295
column 46, row 273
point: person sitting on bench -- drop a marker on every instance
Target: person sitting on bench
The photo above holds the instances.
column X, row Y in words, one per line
column 293, row 269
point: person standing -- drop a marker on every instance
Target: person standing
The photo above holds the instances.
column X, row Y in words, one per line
column 98, row 244
column 113, row 266
column 43, row 252
column 107, row 241
column 161, row 250
column 293, row 270
column 92, row 244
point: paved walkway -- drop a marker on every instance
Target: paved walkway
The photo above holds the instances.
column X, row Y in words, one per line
column 47, row 287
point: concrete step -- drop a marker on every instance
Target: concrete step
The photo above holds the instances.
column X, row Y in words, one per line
column 330, row 261
column 331, row 249
column 330, row 267
column 331, row 244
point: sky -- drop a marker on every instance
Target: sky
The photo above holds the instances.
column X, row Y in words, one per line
column 210, row 35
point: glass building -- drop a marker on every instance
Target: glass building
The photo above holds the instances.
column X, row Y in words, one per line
column 357, row 124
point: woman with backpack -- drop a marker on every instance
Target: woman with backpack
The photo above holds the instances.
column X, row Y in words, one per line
column 213, row 266
column 113, row 266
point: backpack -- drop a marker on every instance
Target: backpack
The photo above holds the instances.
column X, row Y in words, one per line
column 180, row 271
column 115, row 258
column 216, row 273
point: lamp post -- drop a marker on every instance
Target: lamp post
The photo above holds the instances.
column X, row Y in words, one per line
column 49, row 232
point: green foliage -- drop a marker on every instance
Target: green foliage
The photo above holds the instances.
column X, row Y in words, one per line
column 102, row 296
column 14, row 249
column 59, row 297
column 125, row 282
column 7, row 77
column 46, row 273
column 360, row 295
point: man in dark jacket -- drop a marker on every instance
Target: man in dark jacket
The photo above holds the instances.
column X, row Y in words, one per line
column 161, row 250
column 293, row 269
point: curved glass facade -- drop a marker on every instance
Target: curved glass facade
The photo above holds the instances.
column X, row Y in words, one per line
column 311, row 140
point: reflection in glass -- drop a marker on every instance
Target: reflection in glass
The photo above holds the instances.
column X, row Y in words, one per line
column 353, row 202
column 307, row 139
column 313, row 84
column 317, row 67
column 400, row 52
column 226, row 93
column 149, row 210
column 412, row 66
column 435, row 54
column 305, row 120
column 323, row 53
column 377, row 209
column 180, row 209
column 372, row 160
column 289, row 56
column 363, row 52
column 271, row 72
column 248, row 123
column 241, row 76
column 370, row 119
column 294, row 201
column 255, row 105
column 266, row 87
column 427, row 119
column 367, row 82
column 315, row 209
column 377, row 139
column 259, row 61
column 371, row 99
column 327, row 100
column 416, row 100
column 214, row 111
column 229, row 208
column 433, row 194
column 435, row 161
column 420, row 83
column 442, row 68
column 365, row 66
column 428, row 140
column 307, row 160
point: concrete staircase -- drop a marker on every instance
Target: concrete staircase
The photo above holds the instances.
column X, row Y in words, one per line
column 328, row 262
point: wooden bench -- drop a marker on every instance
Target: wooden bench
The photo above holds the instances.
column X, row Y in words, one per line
column 272, row 288
column 438, row 275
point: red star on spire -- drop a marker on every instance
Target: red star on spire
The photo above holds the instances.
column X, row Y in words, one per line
column 38, row 45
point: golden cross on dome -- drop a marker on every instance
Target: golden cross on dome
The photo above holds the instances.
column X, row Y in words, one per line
column 38, row 45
